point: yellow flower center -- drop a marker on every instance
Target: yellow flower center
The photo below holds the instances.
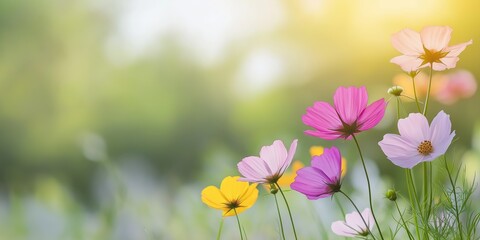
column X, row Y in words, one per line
column 425, row 148
column 431, row 56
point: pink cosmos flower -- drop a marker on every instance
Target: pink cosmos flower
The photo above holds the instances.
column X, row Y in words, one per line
column 430, row 46
column 458, row 85
column 418, row 142
column 349, row 115
column 354, row 225
column 323, row 178
column 271, row 164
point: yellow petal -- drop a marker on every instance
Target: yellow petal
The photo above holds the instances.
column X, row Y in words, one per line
column 316, row 151
column 212, row 196
column 250, row 192
column 344, row 167
column 296, row 166
column 232, row 189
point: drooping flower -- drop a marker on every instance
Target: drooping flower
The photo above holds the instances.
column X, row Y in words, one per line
column 430, row 46
column 418, row 142
column 354, row 225
column 271, row 164
column 349, row 115
column 233, row 196
column 458, row 85
column 318, row 150
column 322, row 178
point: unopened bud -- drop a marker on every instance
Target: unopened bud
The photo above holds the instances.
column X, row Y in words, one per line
column 395, row 91
column 273, row 189
column 391, row 195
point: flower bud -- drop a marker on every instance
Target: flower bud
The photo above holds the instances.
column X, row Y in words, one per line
column 391, row 195
column 273, row 189
column 395, row 91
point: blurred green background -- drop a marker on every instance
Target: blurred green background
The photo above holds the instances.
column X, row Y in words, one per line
column 103, row 102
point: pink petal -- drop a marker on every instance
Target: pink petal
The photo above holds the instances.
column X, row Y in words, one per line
column 414, row 127
column 372, row 115
column 312, row 183
column 254, row 169
column 436, row 37
column 440, row 128
column 291, row 153
column 327, row 135
column 274, row 156
column 400, row 151
column 455, row 50
column 408, row 63
column 350, row 102
column 330, row 163
column 323, row 117
column 341, row 229
column 408, row 42
column 442, row 66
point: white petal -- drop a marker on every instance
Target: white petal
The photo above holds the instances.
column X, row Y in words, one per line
column 436, row 37
column 414, row 128
column 407, row 42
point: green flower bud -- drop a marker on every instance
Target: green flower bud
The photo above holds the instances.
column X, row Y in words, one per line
column 391, row 195
column 395, row 91
column 273, row 189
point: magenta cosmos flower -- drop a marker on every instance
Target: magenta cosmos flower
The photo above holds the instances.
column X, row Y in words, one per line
column 349, row 115
column 271, row 164
column 417, row 141
column 430, row 46
column 322, row 178
column 354, row 225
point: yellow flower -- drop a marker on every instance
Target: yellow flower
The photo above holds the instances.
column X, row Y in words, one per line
column 288, row 177
column 231, row 195
column 318, row 150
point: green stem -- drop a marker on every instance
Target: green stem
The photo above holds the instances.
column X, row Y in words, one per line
column 368, row 183
column 457, row 214
column 415, row 94
column 398, row 108
column 403, row 221
column 239, row 227
column 220, row 230
column 425, row 107
column 289, row 212
column 412, row 194
column 279, row 216
column 361, row 216
column 427, row 184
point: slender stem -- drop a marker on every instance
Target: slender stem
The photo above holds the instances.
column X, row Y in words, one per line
column 279, row 216
column 457, row 214
column 220, row 229
column 239, row 227
column 398, row 108
column 403, row 221
column 289, row 212
column 425, row 107
column 361, row 216
column 415, row 94
column 412, row 194
column 368, row 183
column 427, row 184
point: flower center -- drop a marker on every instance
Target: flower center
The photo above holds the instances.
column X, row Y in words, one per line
column 425, row 148
column 431, row 56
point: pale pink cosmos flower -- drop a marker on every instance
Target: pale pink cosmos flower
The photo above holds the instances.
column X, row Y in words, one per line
column 354, row 225
column 457, row 85
column 430, row 46
column 418, row 142
column 348, row 115
column 271, row 164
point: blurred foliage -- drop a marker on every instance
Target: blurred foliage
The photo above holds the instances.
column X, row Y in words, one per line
column 62, row 76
